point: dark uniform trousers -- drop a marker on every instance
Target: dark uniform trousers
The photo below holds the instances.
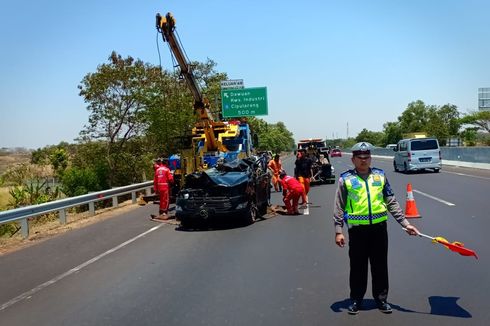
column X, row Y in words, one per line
column 368, row 243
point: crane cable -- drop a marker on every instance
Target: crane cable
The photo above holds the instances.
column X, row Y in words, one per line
column 160, row 56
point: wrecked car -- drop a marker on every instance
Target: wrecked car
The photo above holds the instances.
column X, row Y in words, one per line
column 231, row 190
column 322, row 173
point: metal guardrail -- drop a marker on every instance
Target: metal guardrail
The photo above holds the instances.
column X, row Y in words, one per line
column 472, row 157
column 23, row 213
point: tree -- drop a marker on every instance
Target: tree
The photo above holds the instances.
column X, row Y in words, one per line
column 469, row 136
column 449, row 115
column 170, row 113
column 442, row 122
column 116, row 97
column 479, row 119
column 373, row 137
column 91, row 156
column 274, row 137
column 59, row 161
column 77, row 181
column 414, row 118
column 392, row 133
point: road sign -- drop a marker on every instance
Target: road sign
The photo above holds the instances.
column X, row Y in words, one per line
column 244, row 102
column 232, row 83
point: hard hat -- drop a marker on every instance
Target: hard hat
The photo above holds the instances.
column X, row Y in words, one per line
column 361, row 148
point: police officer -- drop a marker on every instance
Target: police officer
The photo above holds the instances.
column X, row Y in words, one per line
column 363, row 199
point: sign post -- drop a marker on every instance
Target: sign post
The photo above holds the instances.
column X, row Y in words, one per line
column 244, row 102
column 232, row 83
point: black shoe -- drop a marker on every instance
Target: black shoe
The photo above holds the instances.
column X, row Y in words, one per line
column 384, row 307
column 353, row 308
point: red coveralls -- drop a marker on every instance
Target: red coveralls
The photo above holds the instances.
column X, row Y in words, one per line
column 292, row 190
column 161, row 185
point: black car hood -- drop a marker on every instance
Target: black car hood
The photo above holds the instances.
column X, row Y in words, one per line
column 229, row 174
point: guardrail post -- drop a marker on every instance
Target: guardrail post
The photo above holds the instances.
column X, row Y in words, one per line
column 91, row 208
column 24, row 227
column 114, row 201
column 62, row 214
column 133, row 197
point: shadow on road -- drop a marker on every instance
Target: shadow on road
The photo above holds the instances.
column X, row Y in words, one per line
column 441, row 306
column 447, row 306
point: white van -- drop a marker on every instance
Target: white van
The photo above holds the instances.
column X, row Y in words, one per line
column 417, row 154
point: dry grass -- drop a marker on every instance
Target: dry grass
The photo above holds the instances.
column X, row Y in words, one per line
column 15, row 158
column 6, row 161
column 4, row 197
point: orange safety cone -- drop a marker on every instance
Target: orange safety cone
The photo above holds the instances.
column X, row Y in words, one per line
column 410, row 207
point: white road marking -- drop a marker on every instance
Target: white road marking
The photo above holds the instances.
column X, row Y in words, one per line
column 467, row 175
column 435, row 198
column 38, row 288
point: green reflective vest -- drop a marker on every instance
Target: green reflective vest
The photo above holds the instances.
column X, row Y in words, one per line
column 365, row 203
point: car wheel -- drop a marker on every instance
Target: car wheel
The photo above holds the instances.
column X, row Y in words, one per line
column 251, row 214
column 436, row 170
column 395, row 167
column 185, row 223
column 263, row 209
column 405, row 168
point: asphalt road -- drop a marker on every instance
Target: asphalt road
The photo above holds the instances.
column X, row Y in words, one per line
column 285, row 270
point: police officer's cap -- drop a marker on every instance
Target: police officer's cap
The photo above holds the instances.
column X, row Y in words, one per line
column 361, row 148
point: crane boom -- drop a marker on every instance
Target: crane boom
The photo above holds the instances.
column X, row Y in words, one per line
column 166, row 26
column 211, row 138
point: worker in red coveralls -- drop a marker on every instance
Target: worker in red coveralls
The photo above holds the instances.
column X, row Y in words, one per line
column 157, row 163
column 161, row 183
column 292, row 190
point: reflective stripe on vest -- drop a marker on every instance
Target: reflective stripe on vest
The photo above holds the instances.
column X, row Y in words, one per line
column 365, row 202
column 162, row 173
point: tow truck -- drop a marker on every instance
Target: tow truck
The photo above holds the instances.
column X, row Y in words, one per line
column 323, row 172
column 218, row 174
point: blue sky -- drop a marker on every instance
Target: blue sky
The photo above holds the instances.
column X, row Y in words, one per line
column 326, row 64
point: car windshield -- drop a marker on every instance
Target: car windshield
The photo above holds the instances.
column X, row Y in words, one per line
column 426, row 144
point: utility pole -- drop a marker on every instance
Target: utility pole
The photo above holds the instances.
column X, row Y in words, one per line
column 347, row 129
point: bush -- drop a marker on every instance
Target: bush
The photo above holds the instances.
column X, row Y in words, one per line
column 9, row 229
column 77, row 181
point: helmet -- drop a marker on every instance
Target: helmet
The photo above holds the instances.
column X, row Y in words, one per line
column 361, row 148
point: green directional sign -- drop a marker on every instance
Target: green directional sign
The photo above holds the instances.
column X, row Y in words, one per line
column 244, row 102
